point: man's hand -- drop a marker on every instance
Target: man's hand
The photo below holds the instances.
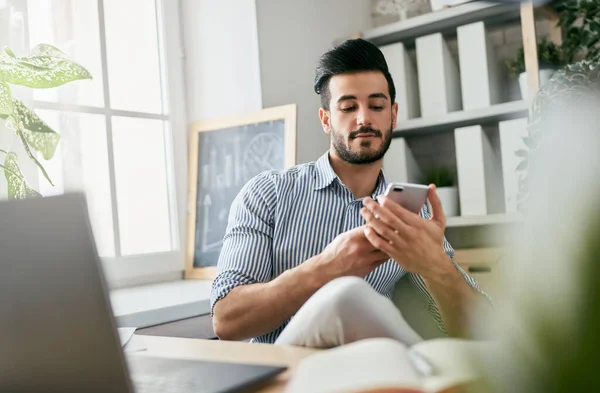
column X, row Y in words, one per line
column 413, row 242
column 350, row 254
column 417, row 245
column 255, row 309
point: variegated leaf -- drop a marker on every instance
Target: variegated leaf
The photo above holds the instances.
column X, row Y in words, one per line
column 37, row 133
column 45, row 143
column 6, row 105
column 45, row 67
column 17, row 185
column 29, row 119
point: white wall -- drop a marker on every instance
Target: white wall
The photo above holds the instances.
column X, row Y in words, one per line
column 292, row 35
column 221, row 58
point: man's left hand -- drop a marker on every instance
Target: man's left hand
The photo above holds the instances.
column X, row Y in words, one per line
column 412, row 241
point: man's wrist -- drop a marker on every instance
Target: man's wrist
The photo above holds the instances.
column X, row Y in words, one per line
column 314, row 272
column 444, row 273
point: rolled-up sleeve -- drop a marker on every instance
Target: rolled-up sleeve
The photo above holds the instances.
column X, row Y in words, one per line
column 427, row 298
column 246, row 256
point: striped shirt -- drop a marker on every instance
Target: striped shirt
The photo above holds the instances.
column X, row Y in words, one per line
column 280, row 219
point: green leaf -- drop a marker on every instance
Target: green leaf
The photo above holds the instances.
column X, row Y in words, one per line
column 30, row 120
column 45, row 143
column 17, row 185
column 20, row 134
column 9, row 52
column 6, row 106
column 36, row 132
column 45, row 67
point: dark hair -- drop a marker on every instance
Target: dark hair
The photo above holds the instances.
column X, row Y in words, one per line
column 351, row 56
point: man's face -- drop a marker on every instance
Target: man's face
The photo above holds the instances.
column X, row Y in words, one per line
column 361, row 116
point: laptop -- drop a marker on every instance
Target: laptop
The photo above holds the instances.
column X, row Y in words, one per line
column 57, row 329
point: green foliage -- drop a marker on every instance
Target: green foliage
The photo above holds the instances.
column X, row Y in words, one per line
column 581, row 21
column 549, row 56
column 440, row 176
column 45, row 67
column 17, row 186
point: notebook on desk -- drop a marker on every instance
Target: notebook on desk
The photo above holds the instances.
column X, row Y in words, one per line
column 58, row 329
column 383, row 365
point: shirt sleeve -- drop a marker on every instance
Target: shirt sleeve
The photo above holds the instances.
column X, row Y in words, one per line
column 427, row 298
column 246, row 255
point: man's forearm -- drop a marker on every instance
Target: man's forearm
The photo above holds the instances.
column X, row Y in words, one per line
column 454, row 297
column 256, row 309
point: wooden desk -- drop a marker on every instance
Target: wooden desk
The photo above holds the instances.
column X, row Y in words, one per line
column 228, row 351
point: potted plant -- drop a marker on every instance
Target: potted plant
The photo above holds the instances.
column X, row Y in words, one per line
column 580, row 20
column 45, row 67
column 550, row 59
column 446, row 188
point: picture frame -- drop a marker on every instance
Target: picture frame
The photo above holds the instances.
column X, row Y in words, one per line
column 224, row 154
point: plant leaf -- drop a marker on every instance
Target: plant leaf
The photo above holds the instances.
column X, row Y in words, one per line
column 45, row 143
column 17, row 185
column 528, row 141
column 38, row 134
column 521, row 153
column 6, row 106
column 31, row 156
column 45, row 67
column 30, row 120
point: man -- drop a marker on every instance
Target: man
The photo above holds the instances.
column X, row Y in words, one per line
column 312, row 245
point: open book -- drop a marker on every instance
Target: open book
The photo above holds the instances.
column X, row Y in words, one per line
column 382, row 365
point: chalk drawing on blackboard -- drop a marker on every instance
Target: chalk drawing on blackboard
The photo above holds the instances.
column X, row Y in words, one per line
column 224, row 155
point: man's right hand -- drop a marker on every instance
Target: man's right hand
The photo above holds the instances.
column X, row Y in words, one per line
column 350, row 254
column 242, row 313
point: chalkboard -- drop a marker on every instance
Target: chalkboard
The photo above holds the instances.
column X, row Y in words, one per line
column 224, row 155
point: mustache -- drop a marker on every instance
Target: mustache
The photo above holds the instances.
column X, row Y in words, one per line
column 365, row 130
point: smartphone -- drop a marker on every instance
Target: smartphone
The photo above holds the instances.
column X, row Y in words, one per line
column 410, row 196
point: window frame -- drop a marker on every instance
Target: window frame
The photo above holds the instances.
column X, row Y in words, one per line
column 124, row 271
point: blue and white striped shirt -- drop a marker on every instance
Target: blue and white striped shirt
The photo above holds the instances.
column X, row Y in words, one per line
column 280, row 219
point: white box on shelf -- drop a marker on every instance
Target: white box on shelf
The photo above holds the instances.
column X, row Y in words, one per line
column 479, row 173
column 479, row 74
column 439, row 79
column 511, row 140
column 399, row 164
column 405, row 78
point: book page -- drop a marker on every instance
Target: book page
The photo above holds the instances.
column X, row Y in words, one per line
column 454, row 360
column 361, row 366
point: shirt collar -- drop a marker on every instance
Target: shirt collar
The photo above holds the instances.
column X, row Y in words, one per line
column 324, row 172
column 325, row 175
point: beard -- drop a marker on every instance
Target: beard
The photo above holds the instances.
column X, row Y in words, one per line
column 366, row 155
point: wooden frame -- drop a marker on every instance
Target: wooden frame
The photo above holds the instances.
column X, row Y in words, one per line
column 532, row 66
column 198, row 131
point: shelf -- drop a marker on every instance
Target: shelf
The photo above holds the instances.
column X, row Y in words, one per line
column 492, row 219
column 444, row 21
column 493, row 114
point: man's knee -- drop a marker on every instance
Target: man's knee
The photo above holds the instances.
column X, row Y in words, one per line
column 344, row 292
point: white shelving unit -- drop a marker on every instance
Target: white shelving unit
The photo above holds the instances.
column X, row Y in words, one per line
column 452, row 120
column 447, row 22
column 444, row 21
column 491, row 219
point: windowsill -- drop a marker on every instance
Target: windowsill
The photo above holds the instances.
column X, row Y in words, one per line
column 155, row 304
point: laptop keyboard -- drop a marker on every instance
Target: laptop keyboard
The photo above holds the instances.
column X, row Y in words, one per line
column 156, row 384
column 166, row 375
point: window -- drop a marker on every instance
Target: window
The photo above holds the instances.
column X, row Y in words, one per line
column 116, row 129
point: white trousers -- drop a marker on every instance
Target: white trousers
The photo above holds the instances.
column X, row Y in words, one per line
column 345, row 310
